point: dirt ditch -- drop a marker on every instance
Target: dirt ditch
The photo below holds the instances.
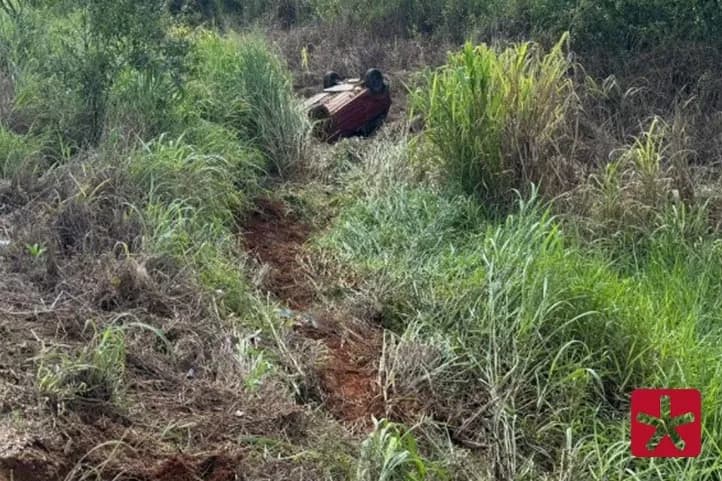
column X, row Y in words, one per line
column 348, row 374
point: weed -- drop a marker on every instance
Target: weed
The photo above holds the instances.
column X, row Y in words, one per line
column 36, row 250
column 390, row 454
column 96, row 374
column 252, row 362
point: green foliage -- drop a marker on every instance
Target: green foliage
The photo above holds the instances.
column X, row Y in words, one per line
column 547, row 334
column 68, row 59
column 603, row 28
column 35, row 251
column 141, row 104
column 96, row 374
column 646, row 187
column 496, row 118
column 194, row 187
column 239, row 83
column 169, row 170
column 113, row 36
column 622, row 25
column 390, row 454
column 17, row 152
column 253, row 362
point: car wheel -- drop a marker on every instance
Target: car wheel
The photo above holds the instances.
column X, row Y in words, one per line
column 374, row 81
column 330, row 79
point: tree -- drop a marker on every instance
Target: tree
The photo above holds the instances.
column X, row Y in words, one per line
column 113, row 35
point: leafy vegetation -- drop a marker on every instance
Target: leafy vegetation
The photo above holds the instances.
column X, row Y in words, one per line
column 611, row 27
column 390, row 454
column 547, row 335
column 496, row 119
column 540, row 244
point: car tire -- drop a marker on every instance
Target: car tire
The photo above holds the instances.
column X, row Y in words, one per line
column 374, row 81
column 330, row 79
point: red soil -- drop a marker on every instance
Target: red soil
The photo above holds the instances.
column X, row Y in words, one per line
column 276, row 238
column 349, row 373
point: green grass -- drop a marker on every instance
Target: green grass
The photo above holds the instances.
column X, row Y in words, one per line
column 495, row 119
column 390, row 453
column 96, row 374
column 521, row 335
column 18, row 153
column 546, row 333
column 238, row 82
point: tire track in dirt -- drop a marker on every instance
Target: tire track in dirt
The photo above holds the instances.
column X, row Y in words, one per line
column 349, row 373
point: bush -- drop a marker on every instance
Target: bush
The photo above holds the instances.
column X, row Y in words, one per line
column 68, row 58
column 626, row 25
column 496, row 120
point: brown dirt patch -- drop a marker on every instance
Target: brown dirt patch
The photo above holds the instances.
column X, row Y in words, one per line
column 348, row 375
column 276, row 237
column 213, row 468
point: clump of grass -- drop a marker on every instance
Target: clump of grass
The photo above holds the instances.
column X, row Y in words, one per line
column 646, row 187
column 238, row 82
column 18, row 153
column 171, row 169
column 192, row 195
column 390, row 454
column 496, row 119
column 95, row 374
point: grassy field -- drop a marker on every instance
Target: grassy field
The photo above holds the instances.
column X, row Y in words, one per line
column 193, row 287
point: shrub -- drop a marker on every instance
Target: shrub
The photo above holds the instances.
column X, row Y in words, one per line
column 616, row 27
column 69, row 57
column 496, row 119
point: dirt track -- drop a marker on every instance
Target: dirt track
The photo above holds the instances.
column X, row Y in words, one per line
column 349, row 373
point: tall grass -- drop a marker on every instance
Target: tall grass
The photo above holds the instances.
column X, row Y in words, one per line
column 238, row 82
column 496, row 119
column 547, row 337
column 646, row 186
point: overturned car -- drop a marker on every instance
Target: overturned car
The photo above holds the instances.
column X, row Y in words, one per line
column 349, row 107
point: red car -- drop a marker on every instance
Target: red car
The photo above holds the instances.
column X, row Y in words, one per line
column 349, row 107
